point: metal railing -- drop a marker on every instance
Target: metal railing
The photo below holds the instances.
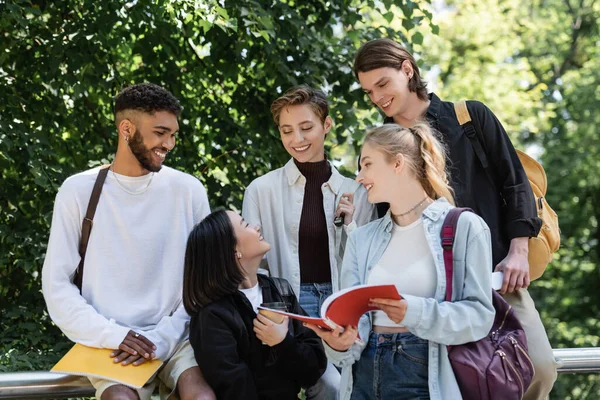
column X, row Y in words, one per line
column 46, row 385
column 578, row 361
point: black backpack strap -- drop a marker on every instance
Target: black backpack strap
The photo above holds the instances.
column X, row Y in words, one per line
column 88, row 222
column 464, row 119
column 283, row 287
column 285, row 290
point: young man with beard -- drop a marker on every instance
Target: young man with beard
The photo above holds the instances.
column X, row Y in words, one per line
column 389, row 75
column 131, row 296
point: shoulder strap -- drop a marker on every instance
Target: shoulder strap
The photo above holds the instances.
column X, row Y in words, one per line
column 448, row 234
column 464, row 119
column 283, row 287
column 86, row 226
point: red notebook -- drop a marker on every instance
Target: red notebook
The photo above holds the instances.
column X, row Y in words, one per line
column 345, row 307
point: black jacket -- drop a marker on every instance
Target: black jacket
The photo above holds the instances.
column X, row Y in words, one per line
column 238, row 366
column 507, row 204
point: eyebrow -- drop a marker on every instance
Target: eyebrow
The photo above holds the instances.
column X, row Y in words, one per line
column 165, row 128
column 303, row 122
column 377, row 83
column 242, row 220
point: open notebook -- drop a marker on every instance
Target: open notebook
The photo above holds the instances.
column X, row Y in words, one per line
column 345, row 307
column 97, row 363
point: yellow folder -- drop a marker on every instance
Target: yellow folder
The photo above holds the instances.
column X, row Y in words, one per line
column 97, row 363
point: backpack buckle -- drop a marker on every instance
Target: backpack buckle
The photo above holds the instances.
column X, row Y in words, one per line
column 447, row 243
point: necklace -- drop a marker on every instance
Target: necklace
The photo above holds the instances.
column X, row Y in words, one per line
column 127, row 190
column 412, row 209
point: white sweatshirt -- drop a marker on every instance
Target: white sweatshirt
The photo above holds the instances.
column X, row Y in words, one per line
column 133, row 273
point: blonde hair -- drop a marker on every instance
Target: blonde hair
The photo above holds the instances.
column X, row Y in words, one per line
column 423, row 152
column 299, row 95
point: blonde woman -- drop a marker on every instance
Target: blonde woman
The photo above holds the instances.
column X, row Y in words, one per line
column 403, row 353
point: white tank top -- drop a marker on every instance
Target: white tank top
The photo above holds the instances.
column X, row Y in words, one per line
column 407, row 262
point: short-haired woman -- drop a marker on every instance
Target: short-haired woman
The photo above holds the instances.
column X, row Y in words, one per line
column 296, row 207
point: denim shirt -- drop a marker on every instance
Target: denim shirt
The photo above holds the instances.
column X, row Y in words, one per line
column 467, row 318
column 274, row 202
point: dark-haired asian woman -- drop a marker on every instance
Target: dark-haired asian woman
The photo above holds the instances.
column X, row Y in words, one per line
column 243, row 355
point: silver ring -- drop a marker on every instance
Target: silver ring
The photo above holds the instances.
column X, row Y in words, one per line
column 346, row 198
column 137, row 334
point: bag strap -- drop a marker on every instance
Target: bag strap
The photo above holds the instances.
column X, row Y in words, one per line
column 283, row 287
column 464, row 119
column 447, row 235
column 88, row 221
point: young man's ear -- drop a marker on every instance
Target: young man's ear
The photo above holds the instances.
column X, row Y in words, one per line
column 328, row 124
column 407, row 69
column 126, row 129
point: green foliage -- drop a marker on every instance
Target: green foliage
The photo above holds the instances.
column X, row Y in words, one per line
column 61, row 63
column 536, row 64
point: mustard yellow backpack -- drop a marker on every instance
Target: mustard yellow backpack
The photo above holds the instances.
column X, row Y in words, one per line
column 542, row 247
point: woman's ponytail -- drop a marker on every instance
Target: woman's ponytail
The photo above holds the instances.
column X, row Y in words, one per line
column 434, row 177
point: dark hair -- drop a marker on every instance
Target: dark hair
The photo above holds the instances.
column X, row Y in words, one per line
column 147, row 97
column 211, row 269
column 386, row 53
column 298, row 95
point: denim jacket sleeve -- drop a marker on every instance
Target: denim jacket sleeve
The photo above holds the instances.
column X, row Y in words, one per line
column 470, row 314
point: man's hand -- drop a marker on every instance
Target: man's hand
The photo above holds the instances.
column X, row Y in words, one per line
column 515, row 266
column 268, row 331
column 395, row 309
column 346, row 207
column 135, row 348
column 125, row 358
column 339, row 339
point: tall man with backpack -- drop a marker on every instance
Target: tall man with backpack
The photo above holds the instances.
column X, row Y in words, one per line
column 117, row 283
column 486, row 176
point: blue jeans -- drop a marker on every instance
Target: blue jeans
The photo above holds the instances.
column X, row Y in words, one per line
column 392, row 366
column 312, row 296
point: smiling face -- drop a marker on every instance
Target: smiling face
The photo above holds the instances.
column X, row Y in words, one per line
column 153, row 137
column 388, row 88
column 303, row 133
column 250, row 243
column 377, row 173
